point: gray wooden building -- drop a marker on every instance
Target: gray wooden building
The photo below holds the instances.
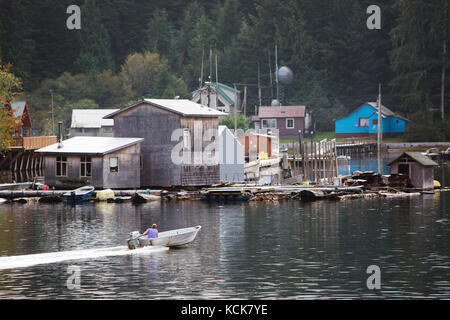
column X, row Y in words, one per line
column 180, row 141
column 417, row 166
column 103, row 162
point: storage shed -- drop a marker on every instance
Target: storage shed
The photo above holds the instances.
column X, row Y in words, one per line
column 103, row 162
column 417, row 166
column 180, row 141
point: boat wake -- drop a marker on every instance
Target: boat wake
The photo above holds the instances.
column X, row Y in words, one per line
column 60, row 256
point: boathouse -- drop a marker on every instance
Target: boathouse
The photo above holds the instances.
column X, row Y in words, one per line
column 417, row 166
column 90, row 122
column 103, row 162
column 180, row 141
column 291, row 121
column 363, row 122
column 20, row 162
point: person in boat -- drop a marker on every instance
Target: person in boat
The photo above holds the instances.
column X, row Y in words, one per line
column 151, row 232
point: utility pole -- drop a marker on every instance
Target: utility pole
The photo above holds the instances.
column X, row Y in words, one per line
column 235, row 112
column 217, row 77
column 53, row 114
column 201, row 70
column 443, row 80
column 259, row 87
column 276, row 74
column 270, row 76
column 379, row 134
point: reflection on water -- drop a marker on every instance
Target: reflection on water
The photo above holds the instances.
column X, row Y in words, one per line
column 254, row 250
column 364, row 162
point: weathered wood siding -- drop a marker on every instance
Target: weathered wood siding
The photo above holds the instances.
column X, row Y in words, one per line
column 73, row 177
column 204, row 138
column 101, row 177
column 129, row 169
column 156, row 126
column 421, row 177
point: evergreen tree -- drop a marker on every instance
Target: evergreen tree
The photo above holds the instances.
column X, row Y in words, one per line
column 95, row 55
column 418, row 39
column 159, row 33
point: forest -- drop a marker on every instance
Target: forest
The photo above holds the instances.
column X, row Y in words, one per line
column 130, row 49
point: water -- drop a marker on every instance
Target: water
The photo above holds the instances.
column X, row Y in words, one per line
column 256, row 250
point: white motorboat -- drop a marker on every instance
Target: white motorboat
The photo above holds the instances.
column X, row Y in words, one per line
column 172, row 238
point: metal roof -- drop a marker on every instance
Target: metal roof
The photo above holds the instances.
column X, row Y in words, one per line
column 184, row 107
column 417, row 156
column 18, row 108
column 90, row 145
column 281, row 112
column 386, row 112
column 91, row 118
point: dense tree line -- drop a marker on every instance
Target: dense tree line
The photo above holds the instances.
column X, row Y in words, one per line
column 129, row 49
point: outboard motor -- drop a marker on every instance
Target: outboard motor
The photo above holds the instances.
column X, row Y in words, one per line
column 133, row 240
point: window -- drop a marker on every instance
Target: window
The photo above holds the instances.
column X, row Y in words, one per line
column 114, row 164
column 186, row 139
column 290, row 123
column 375, row 121
column 107, row 129
column 209, row 158
column 61, row 166
column 363, row 122
column 269, row 123
column 85, row 166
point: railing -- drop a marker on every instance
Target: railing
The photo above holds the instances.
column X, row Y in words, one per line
column 32, row 143
column 16, row 142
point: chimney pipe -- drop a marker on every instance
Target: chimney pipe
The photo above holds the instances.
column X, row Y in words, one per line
column 60, row 145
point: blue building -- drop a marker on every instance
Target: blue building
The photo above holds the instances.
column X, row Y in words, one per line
column 363, row 122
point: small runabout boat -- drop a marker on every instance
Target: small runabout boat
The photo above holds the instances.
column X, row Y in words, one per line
column 79, row 195
column 172, row 238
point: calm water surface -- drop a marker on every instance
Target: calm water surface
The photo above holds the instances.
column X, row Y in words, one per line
column 264, row 250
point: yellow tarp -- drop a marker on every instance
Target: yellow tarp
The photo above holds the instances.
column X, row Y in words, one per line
column 105, row 194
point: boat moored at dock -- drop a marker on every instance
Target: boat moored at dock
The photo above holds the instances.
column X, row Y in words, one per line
column 79, row 195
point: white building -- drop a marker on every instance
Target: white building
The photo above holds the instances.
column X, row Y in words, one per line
column 231, row 157
column 90, row 122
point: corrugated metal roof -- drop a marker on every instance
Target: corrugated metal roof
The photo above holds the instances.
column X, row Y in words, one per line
column 91, row 118
column 184, row 107
column 90, row 145
column 282, row 112
column 419, row 157
column 386, row 112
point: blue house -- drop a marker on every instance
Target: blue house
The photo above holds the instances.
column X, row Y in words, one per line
column 363, row 122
